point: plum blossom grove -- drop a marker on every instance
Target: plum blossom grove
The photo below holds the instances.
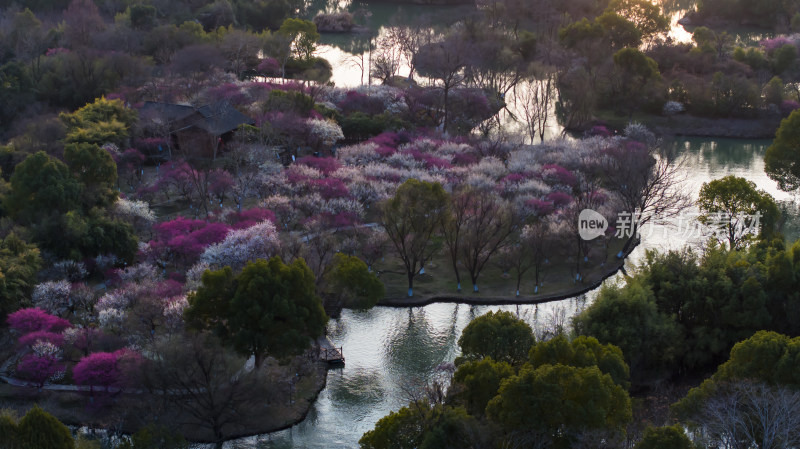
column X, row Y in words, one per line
column 322, row 202
column 509, row 205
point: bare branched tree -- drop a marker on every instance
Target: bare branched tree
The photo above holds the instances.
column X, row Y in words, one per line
column 646, row 183
column 534, row 98
column 743, row 414
column 205, row 386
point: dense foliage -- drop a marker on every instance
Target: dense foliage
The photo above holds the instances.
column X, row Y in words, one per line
column 693, row 308
column 270, row 308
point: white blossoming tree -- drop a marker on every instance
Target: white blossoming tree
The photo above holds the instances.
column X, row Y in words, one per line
column 324, row 133
column 244, row 245
column 52, row 296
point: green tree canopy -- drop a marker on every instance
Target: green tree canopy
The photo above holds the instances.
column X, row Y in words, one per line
column 737, row 211
column 645, row 15
column 100, row 122
column 351, row 281
column 39, row 429
column 501, row 336
column 765, row 358
column 269, row 308
column 304, row 36
column 636, row 66
column 628, row 317
column 95, row 169
column 618, row 31
column 478, row 382
column 782, row 159
column 581, row 352
column 40, row 186
column 19, row 263
column 668, row 437
column 559, row 402
column 422, row 426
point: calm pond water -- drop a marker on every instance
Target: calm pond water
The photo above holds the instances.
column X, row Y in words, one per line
column 391, row 352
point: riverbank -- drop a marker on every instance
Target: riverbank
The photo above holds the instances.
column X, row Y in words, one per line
column 692, row 126
column 127, row 412
column 605, row 271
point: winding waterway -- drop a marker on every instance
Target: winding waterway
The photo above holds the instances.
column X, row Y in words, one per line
column 391, row 352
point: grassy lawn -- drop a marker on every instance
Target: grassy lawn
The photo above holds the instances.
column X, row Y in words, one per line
column 439, row 278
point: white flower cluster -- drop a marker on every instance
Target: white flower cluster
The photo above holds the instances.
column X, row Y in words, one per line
column 243, row 245
column 138, row 273
column 403, row 161
column 523, row 160
column 640, row 133
column 305, row 171
column 71, row 334
column 340, row 205
column 52, row 296
column 46, row 349
column 326, row 132
column 360, row 154
column 194, row 275
column 133, row 210
column 424, row 145
column 491, row 167
column 452, row 149
column 173, row 312
column 70, row 270
column 479, row 181
column 672, row 108
column 111, row 319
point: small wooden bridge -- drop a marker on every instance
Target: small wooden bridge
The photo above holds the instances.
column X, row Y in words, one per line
column 329, row 353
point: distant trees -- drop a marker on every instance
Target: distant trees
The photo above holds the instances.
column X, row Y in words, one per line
column 270, row 308
column 303, row 35
column 444, row 61
column 644, row 15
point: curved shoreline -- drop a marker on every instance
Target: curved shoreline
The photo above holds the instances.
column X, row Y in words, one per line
column 311, row 401
column 399, row 302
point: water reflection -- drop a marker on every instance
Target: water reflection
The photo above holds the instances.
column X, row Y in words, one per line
column 390, row 351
